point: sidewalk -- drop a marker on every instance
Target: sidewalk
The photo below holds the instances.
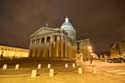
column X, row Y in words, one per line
column 63, row 77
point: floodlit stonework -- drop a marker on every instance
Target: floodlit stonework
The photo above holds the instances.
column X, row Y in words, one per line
column 117, row 49
column 59, row 43
column 13, row 52
column 54, row 42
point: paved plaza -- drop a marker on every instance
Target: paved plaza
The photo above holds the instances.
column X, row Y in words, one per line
column 105, row 73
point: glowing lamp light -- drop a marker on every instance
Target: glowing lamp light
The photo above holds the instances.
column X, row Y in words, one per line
column 90, row 49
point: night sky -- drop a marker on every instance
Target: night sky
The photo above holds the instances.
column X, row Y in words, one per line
column 103, row 21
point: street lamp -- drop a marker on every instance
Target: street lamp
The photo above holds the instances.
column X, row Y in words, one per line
column 90, row 49
column 91, row 52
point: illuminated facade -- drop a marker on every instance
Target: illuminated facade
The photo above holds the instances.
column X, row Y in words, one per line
column 85, row 49
column 54, row 42
column 13, row 52
column 117, row 49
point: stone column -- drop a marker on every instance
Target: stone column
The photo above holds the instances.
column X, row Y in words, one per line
column 44, row 47
column 33, row 47
column 72, row 52
column 65, row 48
column 50, row 46
column 47, row 47
column 57, row 46
column 68, row 49
column 62, row 45
column 53, row 50
column 41, row 46
column 38, row 47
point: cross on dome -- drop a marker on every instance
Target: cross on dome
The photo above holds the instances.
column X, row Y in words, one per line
column 66, row 23
column 66, row 19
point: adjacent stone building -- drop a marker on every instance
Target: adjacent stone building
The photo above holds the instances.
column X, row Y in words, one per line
column 13, row 52
column 117, row 49
column 85, row 48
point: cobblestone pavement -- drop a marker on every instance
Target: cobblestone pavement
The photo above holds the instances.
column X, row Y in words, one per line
column 106, row 73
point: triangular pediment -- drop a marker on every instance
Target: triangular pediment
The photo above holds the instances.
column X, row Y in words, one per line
column 43, row 30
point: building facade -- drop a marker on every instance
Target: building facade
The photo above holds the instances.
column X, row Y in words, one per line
column 54, row 42
column 117, row 49
column 85, row 49
column 13, row 52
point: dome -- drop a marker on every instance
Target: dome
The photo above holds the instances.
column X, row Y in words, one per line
column 66, row 24
column 68, row 28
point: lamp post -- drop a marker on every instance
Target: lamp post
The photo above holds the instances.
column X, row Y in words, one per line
column 91, row 51
column 78, row 46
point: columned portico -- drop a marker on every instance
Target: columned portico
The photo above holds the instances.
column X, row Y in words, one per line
column 52, row 42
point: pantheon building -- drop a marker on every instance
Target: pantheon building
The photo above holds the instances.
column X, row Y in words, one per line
column 59, row 43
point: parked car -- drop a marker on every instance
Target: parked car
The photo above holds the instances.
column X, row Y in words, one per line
column 115, row 60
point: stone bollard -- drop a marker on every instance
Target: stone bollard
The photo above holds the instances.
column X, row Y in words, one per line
column 93, row 63
column 66, row 65
column 34, row 73
column 39, row 66
column 4, row 66
column 49, row 66
column 17, row 66
column 94, row 69
column 51, row 72
column 80, row 70
column 73, row 65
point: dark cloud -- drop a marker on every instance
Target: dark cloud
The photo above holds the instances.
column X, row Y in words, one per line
column 103, row 21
